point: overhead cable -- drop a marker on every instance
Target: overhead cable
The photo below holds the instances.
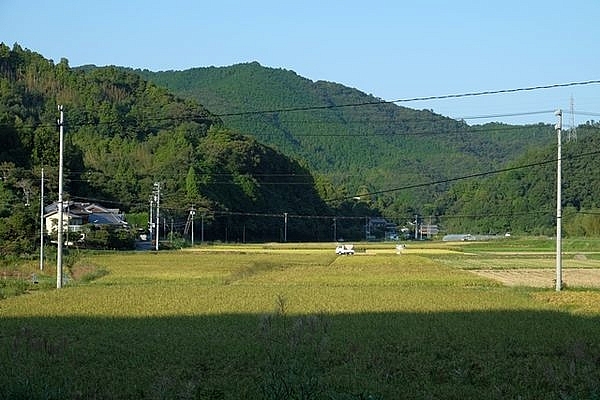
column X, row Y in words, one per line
column 414, row 99
column 205, row 119
column 476, row 175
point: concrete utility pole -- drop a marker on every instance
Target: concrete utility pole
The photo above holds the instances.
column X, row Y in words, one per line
column 416, row 227
column 558, row 128
column 157, row 186
column 150, row 221
column 334, row 229
column 202, row 229
column 59, row 255
column 192, row 213
column 42, row 222
column 285, row 221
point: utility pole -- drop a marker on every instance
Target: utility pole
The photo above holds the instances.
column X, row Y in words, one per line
column 285, row 221
column 334, row 229
column 558, row 127
column 202, row 229
column 150, row 221
column 192, row 213
column 416, row 226
column 157, row 186
column 59, row 255
column 42, row 222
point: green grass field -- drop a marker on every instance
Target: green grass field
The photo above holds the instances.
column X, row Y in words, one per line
column 297, row 322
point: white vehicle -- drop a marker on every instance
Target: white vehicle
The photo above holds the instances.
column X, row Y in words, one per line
column 344, row 249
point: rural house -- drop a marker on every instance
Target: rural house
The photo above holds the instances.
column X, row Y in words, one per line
column 77, row 214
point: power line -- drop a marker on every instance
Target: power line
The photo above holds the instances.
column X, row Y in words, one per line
column 203, row 118
column 515, row 114
column 476, row 175
column 591, row 114
column 224, row 213
column 414, row 186
column 413, row 99
column 475, row 216
column 367, row 118
column 467, row 131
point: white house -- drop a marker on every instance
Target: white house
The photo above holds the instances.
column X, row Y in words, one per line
column 76, row 214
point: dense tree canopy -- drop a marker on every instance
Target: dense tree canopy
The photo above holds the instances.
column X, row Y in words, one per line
column 281, row 157
column 523, row 199
column 354, row 140
column 123, row 134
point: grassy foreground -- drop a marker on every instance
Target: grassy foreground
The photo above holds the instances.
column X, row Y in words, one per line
column 297, row 322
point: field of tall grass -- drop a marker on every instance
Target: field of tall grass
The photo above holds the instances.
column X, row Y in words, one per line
column 298, row 322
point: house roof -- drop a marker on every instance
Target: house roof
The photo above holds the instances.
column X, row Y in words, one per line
column 93, row 213
column 108, row 218
column 70, row 206
column 69, row 214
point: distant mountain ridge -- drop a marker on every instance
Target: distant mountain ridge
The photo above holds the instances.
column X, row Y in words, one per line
column 363, row 148
column 325, row 155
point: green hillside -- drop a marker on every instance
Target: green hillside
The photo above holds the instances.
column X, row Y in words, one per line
column 361, row 144
column 524, row 199
column 122, row 135
column 274, row 148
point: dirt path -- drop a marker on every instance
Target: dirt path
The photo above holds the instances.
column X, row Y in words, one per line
column 543, row 277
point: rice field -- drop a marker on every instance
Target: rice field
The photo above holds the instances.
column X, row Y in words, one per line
column 296, row 321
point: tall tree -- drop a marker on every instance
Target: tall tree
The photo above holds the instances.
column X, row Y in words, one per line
column 191, row 187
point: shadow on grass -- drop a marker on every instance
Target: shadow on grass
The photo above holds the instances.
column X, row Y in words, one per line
column 474, row 355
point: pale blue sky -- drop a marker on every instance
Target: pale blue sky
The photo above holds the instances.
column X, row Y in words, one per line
column 391, row 49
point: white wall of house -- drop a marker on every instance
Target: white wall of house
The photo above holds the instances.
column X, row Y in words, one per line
column 72, row 223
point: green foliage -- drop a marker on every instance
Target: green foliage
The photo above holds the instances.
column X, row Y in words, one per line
column 297, row 352
column 524, row 200
column 123, row 134
column 17, row 231
column 191, row 186
column 105, row 237
column 138, row 220
column 581, row 223
column 12, row 287
column 377, row 144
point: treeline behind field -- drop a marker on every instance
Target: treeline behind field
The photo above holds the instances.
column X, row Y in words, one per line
column 122, row 135
column 244, row 167
column 411, row 160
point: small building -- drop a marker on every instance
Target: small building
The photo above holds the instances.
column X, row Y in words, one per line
column 379, row 228
column 428, row 230
column 77, row 214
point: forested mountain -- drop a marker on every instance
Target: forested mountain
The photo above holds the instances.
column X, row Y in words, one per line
column 277, row 156
column 523, row 199
column 361, row 144
column 122, row 135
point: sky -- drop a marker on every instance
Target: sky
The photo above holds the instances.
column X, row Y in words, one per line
column 394, row 50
